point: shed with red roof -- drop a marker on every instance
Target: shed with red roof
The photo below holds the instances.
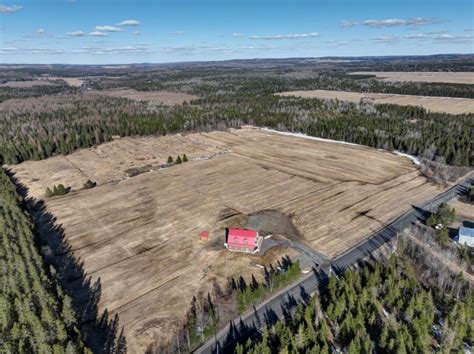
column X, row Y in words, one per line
column 242, row 240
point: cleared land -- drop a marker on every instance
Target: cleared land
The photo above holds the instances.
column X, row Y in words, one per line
column 433, row 104
column 26, row 84
column 463, row 210
column 446, row 77
column 163, row 97
column 139, row 235
column 72, row 81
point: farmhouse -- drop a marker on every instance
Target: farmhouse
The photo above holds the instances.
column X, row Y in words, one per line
column 466, row 236
column 242, row 240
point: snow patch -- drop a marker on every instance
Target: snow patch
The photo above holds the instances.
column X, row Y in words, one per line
column 414, row 159
column 301, row 135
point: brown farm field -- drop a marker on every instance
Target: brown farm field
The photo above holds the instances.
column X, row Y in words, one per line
column 139, row 235
column 433, row 104
column 27, row 83
column 441, row 77
column 72, row 81
column 159, row 97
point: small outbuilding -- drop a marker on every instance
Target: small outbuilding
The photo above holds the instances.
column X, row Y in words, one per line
column 465, row 236
column 204, row 235
column 242, row 240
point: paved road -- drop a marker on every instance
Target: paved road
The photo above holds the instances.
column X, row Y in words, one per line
column 285, row 299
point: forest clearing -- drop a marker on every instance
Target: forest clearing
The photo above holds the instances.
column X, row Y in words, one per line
column 160, row 97
column 452, row 105
column 139, row 235
column 422, row 76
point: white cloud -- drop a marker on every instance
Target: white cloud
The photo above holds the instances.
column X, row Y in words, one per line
column 101, row 50
column 386, row 39
column 335, row 43
column 416, row 36
column 177, row 33
column 40, row 32
column 10, row 9
column 396, row 22
column 287, row 36
column 349, row 24
column 107, row 29
column 98, row 34
column 131, row 23
column 453, row 38
column 441, row 36
column 76, row 34
column 137, row 33
column 392, row 22
column 27, row 51
column 238, row 35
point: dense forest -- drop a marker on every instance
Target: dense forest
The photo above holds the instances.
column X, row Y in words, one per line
column 212, row 81
column 37, row 128
column 382, row 308
column 35, row 314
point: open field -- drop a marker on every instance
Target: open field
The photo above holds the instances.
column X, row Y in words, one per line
column 463, row 210
column 71, row 81
column 433, row 104
column 139, row 234
column 111, row 162
column 26, row 84
column 443, row 77
column 163, row 97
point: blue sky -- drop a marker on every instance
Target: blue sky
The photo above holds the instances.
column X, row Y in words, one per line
column 126, row 31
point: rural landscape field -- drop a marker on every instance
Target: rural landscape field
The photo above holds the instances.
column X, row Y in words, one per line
column 139, row 235
column 434, row 104
column 422, row 76
column 213, row 177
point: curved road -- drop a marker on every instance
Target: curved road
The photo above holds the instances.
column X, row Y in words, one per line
column 285, row 299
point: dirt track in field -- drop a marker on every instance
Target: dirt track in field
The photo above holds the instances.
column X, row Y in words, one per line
column 419, row 76
column 139, row 235
column 433, row 104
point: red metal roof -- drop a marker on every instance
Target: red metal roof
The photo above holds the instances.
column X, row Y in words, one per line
column 242, row 238
column 204, row 234
column 243, row 233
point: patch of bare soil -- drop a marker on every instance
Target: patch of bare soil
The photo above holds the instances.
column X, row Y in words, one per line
column 273, row 222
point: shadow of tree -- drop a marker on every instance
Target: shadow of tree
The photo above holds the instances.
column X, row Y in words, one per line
column 100, row 332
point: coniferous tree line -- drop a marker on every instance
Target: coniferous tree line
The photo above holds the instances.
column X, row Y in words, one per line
column 210, row 312
column 381, row 308
column 207, row 82
column 42, row 127
column 7, row 93
column 35, row 314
